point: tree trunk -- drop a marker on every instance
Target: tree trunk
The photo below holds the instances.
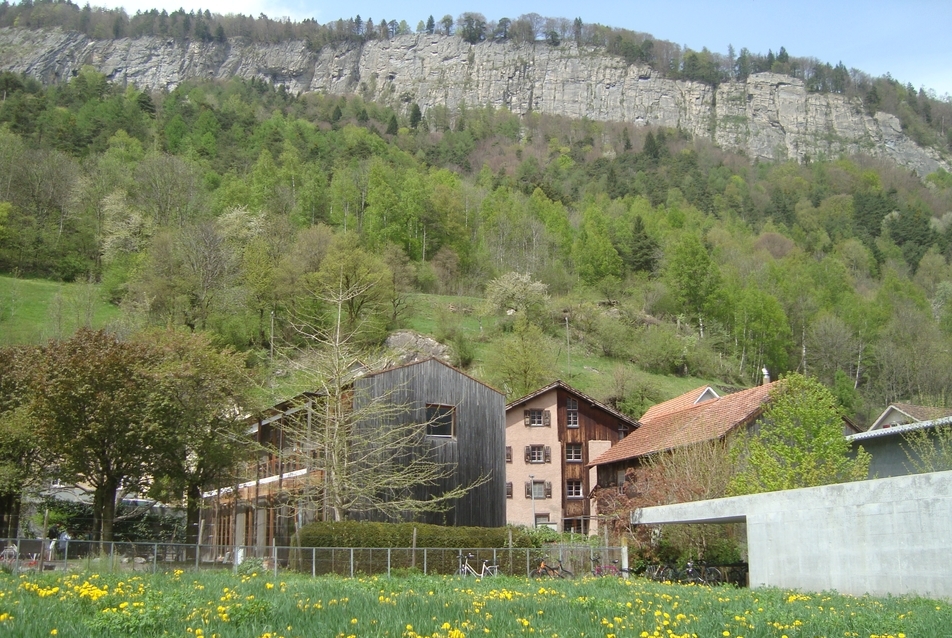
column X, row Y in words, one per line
column 193, row 506
column 108, row 504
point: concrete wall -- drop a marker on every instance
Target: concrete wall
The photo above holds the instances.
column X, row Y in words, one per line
column 883, row 536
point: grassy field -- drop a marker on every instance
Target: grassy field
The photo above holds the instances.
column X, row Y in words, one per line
column 224, row 605
column 36, row 310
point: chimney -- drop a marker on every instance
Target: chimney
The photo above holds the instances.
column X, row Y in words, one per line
column 766, row 376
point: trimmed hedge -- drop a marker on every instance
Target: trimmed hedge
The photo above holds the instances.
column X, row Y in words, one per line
column 369, row 534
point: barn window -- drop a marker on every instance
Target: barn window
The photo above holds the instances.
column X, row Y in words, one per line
column 509, row 489
column 623, row 430
column 573, row 489
column 573, row 452
column 571, row 413
column 508, row 454
column 440, row 420
column 538, row 418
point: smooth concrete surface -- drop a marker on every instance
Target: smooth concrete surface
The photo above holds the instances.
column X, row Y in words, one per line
column 881, row 537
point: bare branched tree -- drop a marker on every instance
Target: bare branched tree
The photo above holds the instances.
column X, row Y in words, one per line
column 364, row 452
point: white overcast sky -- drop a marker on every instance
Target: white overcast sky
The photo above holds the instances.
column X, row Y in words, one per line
column 910, row 39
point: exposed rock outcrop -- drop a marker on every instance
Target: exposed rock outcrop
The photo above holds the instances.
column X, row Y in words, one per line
column 769, row 116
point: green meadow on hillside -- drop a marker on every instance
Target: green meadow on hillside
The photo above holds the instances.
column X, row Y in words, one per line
column 34, row 310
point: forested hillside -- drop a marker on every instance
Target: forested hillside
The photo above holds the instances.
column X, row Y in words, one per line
column 220, row 207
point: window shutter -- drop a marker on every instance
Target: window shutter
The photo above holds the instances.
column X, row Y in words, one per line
column 548, row 489
column 528, row 489
column 548, row 454
column 547, row 418
column 509, row 490
column 528, row 454
column 509, row 454
column 526, row 417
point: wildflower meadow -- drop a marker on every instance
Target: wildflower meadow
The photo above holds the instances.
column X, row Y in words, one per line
column 257, row 605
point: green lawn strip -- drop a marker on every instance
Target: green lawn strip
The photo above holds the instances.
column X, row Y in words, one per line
column 259, row 606
column 34, row 310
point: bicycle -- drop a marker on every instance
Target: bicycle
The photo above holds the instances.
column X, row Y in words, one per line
column 465, row 569
column 660, row 572
column 544, row 570
column 700, row 574
column 488, row 570
column 599, row 569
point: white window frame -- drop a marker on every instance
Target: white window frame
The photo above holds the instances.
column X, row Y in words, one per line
column 571, row 413
column 573, row 458
column 574, row 489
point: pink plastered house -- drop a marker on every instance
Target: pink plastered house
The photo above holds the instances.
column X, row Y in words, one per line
column 551, row 436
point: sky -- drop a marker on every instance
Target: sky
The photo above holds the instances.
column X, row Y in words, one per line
column 909, row 39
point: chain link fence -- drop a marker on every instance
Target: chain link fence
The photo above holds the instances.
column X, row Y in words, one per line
column 23, row 554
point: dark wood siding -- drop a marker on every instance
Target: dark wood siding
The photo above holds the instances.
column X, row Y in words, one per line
column 477, row 448
column 594, row 424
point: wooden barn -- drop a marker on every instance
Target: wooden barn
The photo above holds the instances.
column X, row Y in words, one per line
column 465, row 432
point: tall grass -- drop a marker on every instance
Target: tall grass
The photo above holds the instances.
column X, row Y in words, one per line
column 413, row 606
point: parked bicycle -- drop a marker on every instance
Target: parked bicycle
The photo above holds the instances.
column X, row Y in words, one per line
column 660, row 572
column 545, row 570
column 600, row 569
column 465, row 569
column 693, row 573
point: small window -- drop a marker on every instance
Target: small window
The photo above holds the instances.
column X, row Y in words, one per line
column 573, row 489
column 538, row 490
column 573, row 525
column 509, row 489
column 440, row 420
column 573, row 452
column 541, row 519
column 538, row 418
column 508, row 454
column 623, row 430
column 571, row 413
column 538, row 454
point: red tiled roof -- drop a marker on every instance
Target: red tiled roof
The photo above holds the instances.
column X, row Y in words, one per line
column 706, row 421
column 676, row 404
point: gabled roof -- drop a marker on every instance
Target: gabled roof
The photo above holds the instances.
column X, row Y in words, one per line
column 686, row 400
column 391, row 368
column 671, row 427
column 358, row 371
column 579, row 395
column 908, row 413
column 899, row 430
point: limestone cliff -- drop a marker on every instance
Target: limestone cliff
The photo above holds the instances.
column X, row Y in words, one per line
column 769, row 116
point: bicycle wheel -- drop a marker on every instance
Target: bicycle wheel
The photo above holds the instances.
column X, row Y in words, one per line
column 668, row 574
column 564, row 573
column 713, row 576
column 538, row 573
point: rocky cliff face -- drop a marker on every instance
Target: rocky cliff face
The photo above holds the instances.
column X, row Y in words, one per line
column 769, row 117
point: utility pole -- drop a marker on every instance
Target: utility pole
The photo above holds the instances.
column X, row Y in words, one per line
column 532, row 493
column 568, row 353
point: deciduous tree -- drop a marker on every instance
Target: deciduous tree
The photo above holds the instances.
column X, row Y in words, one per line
column 798, row 442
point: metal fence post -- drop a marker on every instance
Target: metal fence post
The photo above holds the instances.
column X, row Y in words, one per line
column 424, row 561
column 313, row 562
column 388, row 562
column 155, row 557
column 351, row 562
